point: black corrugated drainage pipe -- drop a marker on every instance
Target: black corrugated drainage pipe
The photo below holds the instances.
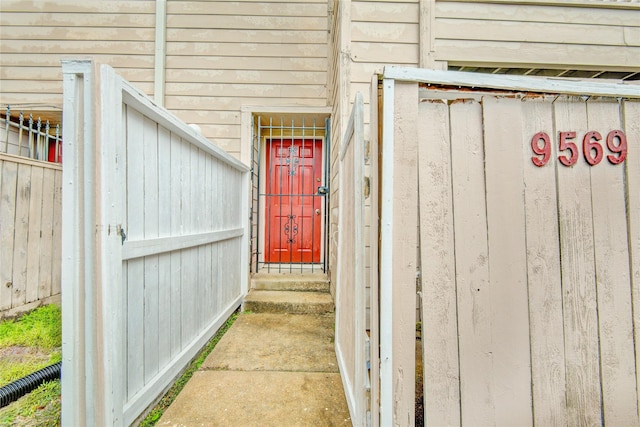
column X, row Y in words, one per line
column 15, row 390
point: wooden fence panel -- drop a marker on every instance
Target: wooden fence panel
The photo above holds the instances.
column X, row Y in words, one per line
column 544, row 293
column 170, row 209
column 29, row 214
column 351, row 298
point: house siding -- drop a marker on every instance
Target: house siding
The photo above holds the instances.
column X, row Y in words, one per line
column 36, row 35
column 582, row 36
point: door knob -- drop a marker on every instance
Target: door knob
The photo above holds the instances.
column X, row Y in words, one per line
column 317, row 211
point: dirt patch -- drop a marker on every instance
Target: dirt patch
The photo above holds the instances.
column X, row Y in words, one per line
column 20, row 354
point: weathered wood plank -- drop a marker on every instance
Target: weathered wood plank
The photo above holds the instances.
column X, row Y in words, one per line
column 149, row 165
column 439, row 309
column 164, row 260
column 46, row 246
column 134, row 228
column 613, row 283
column 543, row 272
column 34, row 241
column 176, row 229
column 507, row 260
column 478, row 397
column 21, row 236
column 578, row 274
column 56, row 252
column 8, row 185
column 631, row 113
column 405, row 241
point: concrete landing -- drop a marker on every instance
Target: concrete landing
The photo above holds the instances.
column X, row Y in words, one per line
column 268, row 370
column 295, row 302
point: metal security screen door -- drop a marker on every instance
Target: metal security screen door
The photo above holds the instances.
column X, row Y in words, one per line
column 292, row 195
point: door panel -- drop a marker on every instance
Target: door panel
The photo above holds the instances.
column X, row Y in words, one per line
column 293, row 210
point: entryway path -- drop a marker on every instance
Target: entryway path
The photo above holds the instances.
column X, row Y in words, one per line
column 272, row 368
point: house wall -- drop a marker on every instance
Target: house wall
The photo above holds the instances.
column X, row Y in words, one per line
column 36, row 35
column 592, row 35
column 218, row 56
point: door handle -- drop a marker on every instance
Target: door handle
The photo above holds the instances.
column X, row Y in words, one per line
column 317, row 211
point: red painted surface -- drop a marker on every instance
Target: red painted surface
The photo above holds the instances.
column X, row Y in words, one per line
column 293, row 210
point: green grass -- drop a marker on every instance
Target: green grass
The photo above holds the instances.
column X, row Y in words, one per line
column 154, row 416
column 41, row 328
column 30, row 342
column 27, row 344
column 39, row 408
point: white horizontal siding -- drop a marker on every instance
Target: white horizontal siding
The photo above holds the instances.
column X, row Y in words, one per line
column 221, row 56
column 538, row 34
column 37, row 35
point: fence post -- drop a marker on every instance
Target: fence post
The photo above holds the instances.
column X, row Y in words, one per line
column 92, row 377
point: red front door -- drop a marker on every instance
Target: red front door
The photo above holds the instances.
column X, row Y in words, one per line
column 293, row 208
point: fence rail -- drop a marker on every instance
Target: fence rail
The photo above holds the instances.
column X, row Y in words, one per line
column 155, row 250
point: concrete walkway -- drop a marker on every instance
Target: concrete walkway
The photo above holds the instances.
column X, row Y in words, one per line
column 268, row 370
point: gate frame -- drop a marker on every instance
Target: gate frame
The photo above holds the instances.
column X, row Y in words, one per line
column 396, row 393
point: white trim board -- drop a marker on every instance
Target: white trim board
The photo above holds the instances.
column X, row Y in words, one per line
column 555, row 85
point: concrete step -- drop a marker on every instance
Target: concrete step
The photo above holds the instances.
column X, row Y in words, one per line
column 292, row 302
column 316, row 282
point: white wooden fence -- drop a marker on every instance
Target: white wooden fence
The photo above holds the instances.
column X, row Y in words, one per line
column 30, row 233
column 530, row 249
column 351, row 329
column 155, row 246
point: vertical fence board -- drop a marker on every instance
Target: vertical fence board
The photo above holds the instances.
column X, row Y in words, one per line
column 56, row 252
column 21, row 236
column 150, row 227
column 439, row 314
column 135, row 267
column 164, row 260
column 46, row 240
column 543, row 271
column 9, row 172
column 502, row 119
column 613, row 284
column 631, row 118
column 34, row 235
column 477, row 393
column 578, row 274
column 176, row 256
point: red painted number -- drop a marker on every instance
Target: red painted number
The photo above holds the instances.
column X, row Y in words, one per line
column 544, row 151
column 620, row 149
column 564, row 145
column 592, row 148
column 590, row 143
